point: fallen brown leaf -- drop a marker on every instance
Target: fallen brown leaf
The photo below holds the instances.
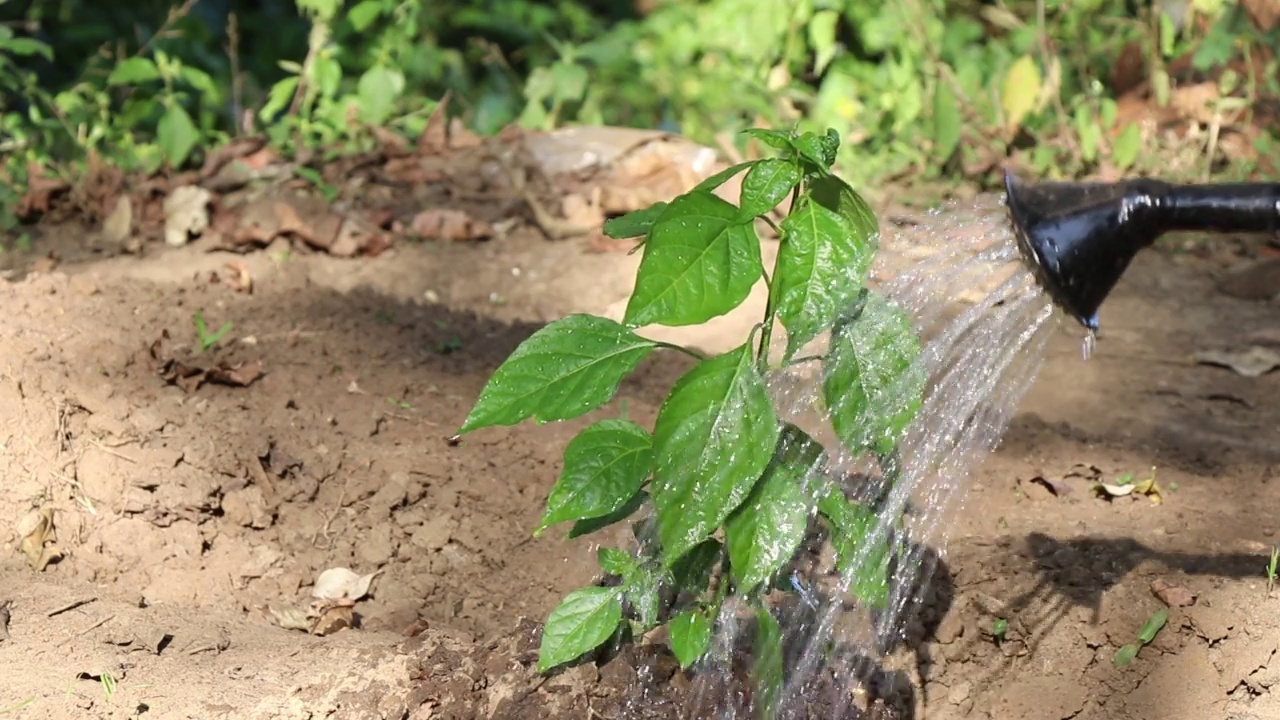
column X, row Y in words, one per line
column 238, row 277
column 330, row 616
column 238, row 149
column 449, row 224
column 242, row 375
column 434, row 138
column 41, row 189
column 39, row 539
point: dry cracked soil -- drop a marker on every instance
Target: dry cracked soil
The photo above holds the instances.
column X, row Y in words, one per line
column 179, row 502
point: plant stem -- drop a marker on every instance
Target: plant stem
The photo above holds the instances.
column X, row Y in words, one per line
column 680, row 348
column 771, row 306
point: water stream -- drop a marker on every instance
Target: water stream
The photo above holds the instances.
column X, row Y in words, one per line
column 985, row 324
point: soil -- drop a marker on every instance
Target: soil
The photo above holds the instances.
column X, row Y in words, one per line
column 195, row 501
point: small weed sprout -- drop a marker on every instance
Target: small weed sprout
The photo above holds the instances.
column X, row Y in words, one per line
column 732, row 487
column 207, row 339
column 1150, row 628
column 999, row 628
column 1272, row 567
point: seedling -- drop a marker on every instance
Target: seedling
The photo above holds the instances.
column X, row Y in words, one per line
column 719, row 463
column 207, row 339
column 998, row 629
column 1271, row 568
column 1150, row 628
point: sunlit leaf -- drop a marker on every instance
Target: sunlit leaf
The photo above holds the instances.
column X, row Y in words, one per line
column 852, row 529
column 583, row 621
column 828, row 243
column 1020, row 91
column 566, row 369
column 700, row 261
column 690, row 636
column 764, row 532
column 767, row 670
column 133, row 71
column 872, row 382
column 177, row 135
column 604, row 467
column 714, row 437
column 946, row 120
column 767, row 183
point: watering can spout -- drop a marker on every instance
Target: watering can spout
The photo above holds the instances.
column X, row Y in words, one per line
column 1079, row 238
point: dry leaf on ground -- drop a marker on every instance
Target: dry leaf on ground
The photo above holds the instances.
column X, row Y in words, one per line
column 329, row 617
column 342, row 584
column 290, row 618
column 449, row 224
column 119, row 223
column 186, row 214
column 39, row 539
column 238, row 278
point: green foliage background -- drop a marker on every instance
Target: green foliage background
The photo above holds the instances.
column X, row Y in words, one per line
column 919, row 89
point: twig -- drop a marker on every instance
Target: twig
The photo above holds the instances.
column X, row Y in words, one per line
column 70, row 606
column 237, row 80
column 96, row 625
column 175, row 14
column 109, row 451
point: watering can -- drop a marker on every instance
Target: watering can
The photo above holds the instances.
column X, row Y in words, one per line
column 1079, row 238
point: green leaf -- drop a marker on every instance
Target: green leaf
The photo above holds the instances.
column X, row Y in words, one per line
column 851, row 526
column 722, row 177
column 590, row 525
column 327, row 72
column 821, row 150
column 279, row 98
column 714, row 437
column 764, row 532
column 700, row 261
column 766, row 184
column 871, row 383
column 177, row 135
column 27, row 47
column 566, row 369
column 829, row 242
column 1125, row 655
column 378, row 89
column 616, row 562
column 364, row 14
column 1153, row 626
column 200, row 81
column 690, row 636
column 604, row 467
column 946, row 121
column 1020, row 91
column 822, row 38
column 1127, row 146
column 642, row 589
column 133, row 71
column 634, row 224
column 767, row 672
column 579, row 624
column 775, row 139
